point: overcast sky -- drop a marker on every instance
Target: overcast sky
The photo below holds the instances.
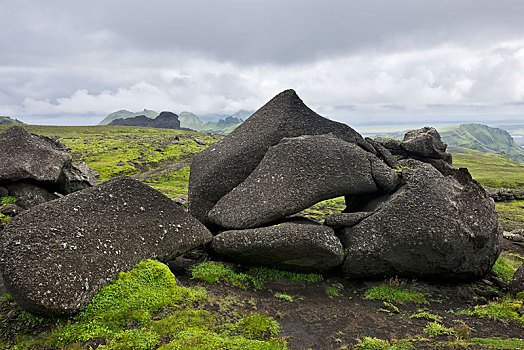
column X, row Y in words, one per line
column 73, row 62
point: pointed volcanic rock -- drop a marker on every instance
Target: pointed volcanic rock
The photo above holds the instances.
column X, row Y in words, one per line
column 297, row 173
column 516, row 285
column 434, row 226
column 301, row 246
column 57, row 255
column 425, row 142
column 227, row 163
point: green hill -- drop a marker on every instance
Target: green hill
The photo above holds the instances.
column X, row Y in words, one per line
column 223, row 126
column 10, row 121
column 123, row 114
column 484, row 139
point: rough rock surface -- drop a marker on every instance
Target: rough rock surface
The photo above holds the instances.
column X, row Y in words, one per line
column 433, row 226
column 338, row 220
column 42, row 161
column 227, row 163
column 425, row 142
column 505, row 194
column 28, row 195
column 516, row 285
column 301, row 171
column 290, row 245
column 57, row 255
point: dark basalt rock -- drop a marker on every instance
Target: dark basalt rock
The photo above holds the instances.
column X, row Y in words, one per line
column 305, row 246
column 425, row 142
column 338, row 220
column 301, row 171
column 433, row 226
column 227, row 163
column 516, row 285
column 29, row 195
column 42, row 161
column 57, row 255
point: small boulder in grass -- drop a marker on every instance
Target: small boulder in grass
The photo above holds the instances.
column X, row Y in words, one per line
column 57, row 255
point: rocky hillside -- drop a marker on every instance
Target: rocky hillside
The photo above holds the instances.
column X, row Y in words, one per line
column 484, row 139
column 10, row 121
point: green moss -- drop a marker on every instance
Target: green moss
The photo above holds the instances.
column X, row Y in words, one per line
column 426, row 315
column 145, row 309
column 4, row 219
column 216, row 273
column 496, row 343
column 511, row 214
column 319, row 211
column 8, row 200
column 505, row 309
column 284, row 296
column 334, row 290
column 368, row 343
column 395, row 291
column 506, row 265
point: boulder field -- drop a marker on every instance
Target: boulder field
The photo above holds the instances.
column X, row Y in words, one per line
column 409, row 211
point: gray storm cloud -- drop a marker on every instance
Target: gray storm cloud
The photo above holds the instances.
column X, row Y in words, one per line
column 73, row 62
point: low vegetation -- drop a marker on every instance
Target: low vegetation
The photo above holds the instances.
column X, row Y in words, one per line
column 396, row 291
column 506, row 309
column 216, row 273
column 506, row 265
column 145, row 309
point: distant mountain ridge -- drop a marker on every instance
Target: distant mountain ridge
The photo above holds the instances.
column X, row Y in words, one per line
column 187, row 120
column 165, row 120
column 125, row 114
column 10, row 121
column 477, row 137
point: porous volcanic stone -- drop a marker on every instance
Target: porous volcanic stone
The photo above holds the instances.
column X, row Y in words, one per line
column 28, row 194
column 433, row 226
column 57, row 255
column 42, row 161
column 425, row 143
column 338, row 220
column 297, row 173
column 516, row 285
column 290, row 245
column 225, row 164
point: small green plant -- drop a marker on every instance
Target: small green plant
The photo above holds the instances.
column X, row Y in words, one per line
column 437, row 328
column 264, row 274
column 4, row 219
column 389, row 308
column 335, row 290
column 8, row 200
column 497, row 343
column 427, row 316
column 284, row 296
column 395, row 291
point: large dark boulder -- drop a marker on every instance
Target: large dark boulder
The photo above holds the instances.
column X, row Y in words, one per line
column 57, row 255
column 297, row 173
column 42, row 161
column 301, row 246
column 227, row 163
column 433, row 226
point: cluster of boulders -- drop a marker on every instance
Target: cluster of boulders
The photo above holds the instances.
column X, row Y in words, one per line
column 59, row 252
column 35, row 169
column 409, row 212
